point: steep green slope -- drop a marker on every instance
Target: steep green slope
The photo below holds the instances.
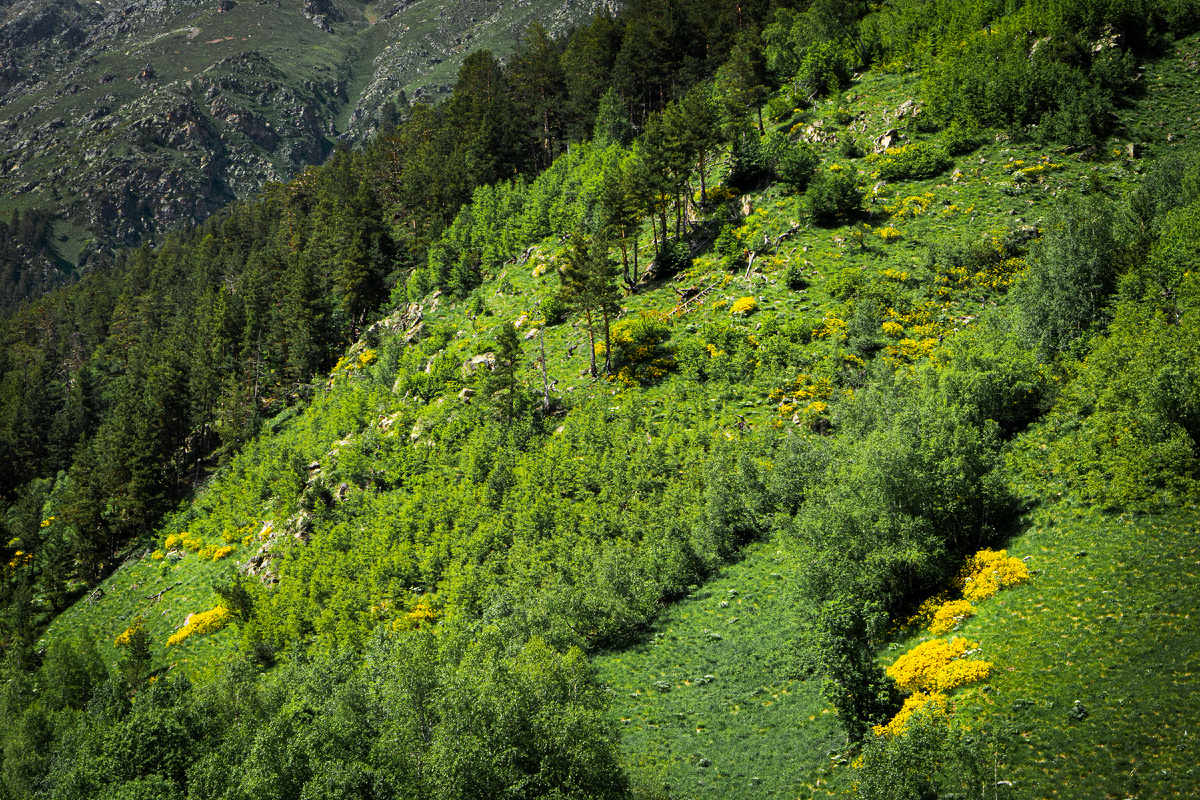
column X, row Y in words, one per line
column 812, row 422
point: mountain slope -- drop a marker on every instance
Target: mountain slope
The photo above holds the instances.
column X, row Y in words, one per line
column 127, row 120
column 739, row 482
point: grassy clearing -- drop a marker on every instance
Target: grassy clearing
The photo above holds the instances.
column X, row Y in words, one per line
column 161, row 592
column 1097, row 660
column 704, row 701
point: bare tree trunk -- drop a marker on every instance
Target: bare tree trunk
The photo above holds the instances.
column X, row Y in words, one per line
column 545, row 380
column 591, row 341
column 607, row 344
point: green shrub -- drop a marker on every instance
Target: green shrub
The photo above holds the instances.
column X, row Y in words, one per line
column 730, row 249
column 850, row 147
column 553, row 308
column 1072, row 273
column 915, row 161
column 832, row 197
column 796, row 166
column 639, row 348
column 794, row 279
column 751, row 163
column 826, row 67
column 929, row 759
column 674, row 257
column 960, row 141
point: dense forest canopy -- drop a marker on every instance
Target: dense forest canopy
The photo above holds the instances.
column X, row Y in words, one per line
column 445, row 534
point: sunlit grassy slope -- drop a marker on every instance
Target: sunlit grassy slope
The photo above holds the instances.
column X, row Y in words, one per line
column 708, row 699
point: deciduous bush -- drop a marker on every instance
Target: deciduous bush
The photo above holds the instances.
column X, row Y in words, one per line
column 797, row 166
column 914, row 161
column 1072, row 274
column 833, row 197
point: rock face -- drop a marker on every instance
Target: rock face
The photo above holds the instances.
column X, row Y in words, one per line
column 128, row 119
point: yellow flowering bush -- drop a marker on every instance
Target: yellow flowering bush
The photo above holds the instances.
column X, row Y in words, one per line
column 888, row 233
column 183, row 541
column 893, row 329
column 924, row 613
column 938, row 665
column 242, row 534
column 363, row 359
column 960, row 673
column 202, row 623
column 933, row 702
column 638, row 353
column 716, row 194
column 124, row 638
column 744, row 307
column 912, row 206
column 833, row 327
column 950, row 614
column 213, row 553
column 989, row 571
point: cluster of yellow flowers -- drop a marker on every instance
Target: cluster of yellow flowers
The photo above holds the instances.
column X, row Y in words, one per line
column 1036, row 171
column 950, row 614
column 989, row 571
column 936, row 701
column 638, row 340
column 424, row 613
column 939, row 665
column 46, row 522
column 834, row 328
column 888, row 233
column 912, row 206
column 214, row 553
column 716, row 194
column 20, row 558
column 936, row 667
column 123, row 639
column 183, row 541
column 204, row 622
column 243, row 534
column 365, row 358
column 744, row 307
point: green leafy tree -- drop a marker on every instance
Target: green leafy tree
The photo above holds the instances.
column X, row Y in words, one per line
column 1072, row 274
column 844, row 644
column 588, row 279
column 504, row 377
column 587, row 63
column 701, row 119
column 539, row 87
column 742, row 82
column 933, row 757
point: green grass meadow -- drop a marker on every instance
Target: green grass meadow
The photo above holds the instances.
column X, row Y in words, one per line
column 704, row 702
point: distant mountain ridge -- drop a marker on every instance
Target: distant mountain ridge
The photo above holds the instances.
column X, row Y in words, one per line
column 124, row 120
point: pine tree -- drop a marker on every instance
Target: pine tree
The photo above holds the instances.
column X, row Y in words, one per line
column 589, row 281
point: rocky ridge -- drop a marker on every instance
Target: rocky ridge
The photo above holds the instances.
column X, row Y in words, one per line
column 126, row 119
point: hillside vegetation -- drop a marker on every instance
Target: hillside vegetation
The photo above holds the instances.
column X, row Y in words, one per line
column 808, row 405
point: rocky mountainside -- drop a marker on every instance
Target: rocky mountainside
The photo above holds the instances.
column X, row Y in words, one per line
column 124, row 119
